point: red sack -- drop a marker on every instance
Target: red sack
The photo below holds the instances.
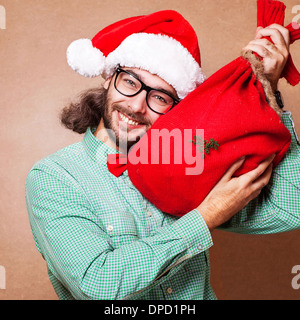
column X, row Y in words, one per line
column 232, row 114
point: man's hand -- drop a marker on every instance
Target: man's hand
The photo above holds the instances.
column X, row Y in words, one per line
column 231, row 194
column 274, row 55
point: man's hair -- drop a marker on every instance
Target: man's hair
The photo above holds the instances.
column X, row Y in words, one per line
column 86, row 112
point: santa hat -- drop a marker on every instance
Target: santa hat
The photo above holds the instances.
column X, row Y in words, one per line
column 163, row 43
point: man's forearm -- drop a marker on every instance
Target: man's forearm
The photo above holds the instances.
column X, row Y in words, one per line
column 277, row 209
column 79, row 253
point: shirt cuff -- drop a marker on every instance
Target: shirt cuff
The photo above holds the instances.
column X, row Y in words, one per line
column 193, row 230
column 288, row 121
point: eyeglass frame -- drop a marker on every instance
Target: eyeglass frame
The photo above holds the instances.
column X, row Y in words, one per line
column 143, row 87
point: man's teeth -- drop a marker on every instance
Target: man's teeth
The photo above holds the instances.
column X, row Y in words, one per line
column 127, row 120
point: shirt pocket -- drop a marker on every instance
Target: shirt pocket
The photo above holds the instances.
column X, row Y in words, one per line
column 120, row 228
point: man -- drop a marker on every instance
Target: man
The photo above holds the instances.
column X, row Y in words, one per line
column 100, row 237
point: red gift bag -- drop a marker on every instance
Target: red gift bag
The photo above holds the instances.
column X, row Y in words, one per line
column 232, row 114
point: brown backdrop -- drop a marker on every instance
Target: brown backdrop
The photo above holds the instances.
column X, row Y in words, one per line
column 36, row 82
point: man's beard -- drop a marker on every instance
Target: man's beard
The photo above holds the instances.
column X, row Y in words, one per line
column 122, row 141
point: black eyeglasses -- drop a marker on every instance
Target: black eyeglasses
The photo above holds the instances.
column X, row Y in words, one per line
column 129, row 85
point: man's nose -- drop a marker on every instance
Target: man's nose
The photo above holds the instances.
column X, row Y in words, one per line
column 138, row 103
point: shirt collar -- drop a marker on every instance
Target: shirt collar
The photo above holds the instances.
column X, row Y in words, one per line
column 96, row 149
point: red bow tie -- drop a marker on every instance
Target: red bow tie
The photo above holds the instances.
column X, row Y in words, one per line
column 117, row 163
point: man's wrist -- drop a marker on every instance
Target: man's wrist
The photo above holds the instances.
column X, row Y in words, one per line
column 195, row 232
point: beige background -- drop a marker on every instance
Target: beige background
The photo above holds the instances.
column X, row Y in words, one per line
column 35, row 84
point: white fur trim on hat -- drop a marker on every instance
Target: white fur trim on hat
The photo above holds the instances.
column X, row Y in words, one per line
column 160, row 55
column 85, row 59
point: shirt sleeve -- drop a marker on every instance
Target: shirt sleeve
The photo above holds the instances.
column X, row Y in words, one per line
column 78, row 250
column 277, row 209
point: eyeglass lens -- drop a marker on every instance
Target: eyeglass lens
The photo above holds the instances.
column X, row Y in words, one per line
column 157, row 100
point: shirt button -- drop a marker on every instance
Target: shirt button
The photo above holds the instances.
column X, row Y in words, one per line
column 169, row 290
column 149, row 213
column 199, row 247
column 110, row 227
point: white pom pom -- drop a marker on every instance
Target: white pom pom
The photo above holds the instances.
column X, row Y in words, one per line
column 85, row 59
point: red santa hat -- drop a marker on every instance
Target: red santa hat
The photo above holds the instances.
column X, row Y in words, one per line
column 163, row 43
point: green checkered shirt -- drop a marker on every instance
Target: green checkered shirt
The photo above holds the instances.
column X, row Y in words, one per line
column 102, row 239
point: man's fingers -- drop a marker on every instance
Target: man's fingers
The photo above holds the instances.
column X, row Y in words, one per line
column 228, row 175
column 266, row 49
column 264, row 179
column 258, row 29
column 251, row 176
column 264, row 43
column 279, row 35
column 259, row 48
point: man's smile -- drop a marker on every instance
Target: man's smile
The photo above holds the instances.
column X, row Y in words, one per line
column 129, row 121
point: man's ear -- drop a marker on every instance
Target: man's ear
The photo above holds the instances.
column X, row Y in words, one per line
column 106, row 83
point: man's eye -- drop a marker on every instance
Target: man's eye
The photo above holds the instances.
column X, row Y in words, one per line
column 160, row 98
column 130, row 82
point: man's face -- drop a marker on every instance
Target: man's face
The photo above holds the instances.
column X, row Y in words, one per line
column 128, row 118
